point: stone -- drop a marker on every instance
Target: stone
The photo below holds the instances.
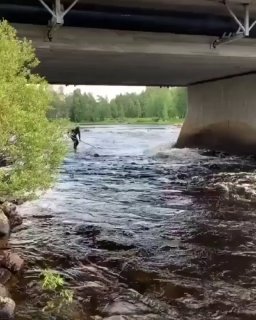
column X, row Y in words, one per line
column 19, row 228
column 20, row 201
column 15, row 220
column 4, row 243
column 4, row 225
column 94, row 285
column 42, row 216
column 10, row 211
column 8, row 208
column 5, row 276
column 3, row 292
column 92, row 288
column 139, row 317
column 87, row 230
column 113, row 246
column 115, row 318
column 120, row 307
column 11, row 261
column 7, row 308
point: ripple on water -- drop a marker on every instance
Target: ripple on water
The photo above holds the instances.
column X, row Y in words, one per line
column 143, row 223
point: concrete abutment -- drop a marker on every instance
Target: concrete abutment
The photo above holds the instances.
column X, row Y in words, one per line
column 221, row 116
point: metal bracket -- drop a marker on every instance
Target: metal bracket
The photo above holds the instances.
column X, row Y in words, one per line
column 244, row 27
column 58, row 13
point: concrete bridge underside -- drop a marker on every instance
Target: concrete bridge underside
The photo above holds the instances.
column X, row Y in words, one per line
column 221, row 81
column 110, row 57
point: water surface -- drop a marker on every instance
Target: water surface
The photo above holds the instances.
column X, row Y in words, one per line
column 175, row 226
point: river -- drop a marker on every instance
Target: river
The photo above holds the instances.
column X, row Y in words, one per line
column 142, row 229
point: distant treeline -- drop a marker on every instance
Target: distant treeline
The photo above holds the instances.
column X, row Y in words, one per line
column 156, row 103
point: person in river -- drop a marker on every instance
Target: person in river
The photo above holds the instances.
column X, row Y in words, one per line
column 75, row 136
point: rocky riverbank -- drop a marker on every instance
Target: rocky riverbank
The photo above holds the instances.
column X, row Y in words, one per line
column 11, row 264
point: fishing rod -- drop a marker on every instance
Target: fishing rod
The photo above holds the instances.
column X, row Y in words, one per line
column 90, row 144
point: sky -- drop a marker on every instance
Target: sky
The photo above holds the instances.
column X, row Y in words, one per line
column 105, row 91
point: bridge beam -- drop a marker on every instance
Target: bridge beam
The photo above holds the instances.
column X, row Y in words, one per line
column 222, row 116
column 111, row 57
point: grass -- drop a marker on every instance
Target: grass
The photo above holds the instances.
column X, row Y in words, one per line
column 59, row 297
column 142, row 121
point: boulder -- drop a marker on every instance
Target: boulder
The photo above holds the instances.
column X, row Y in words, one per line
column 92, row 288
column 5, row 276
column 3, row 292
column 7, row 308
column 88, row 230
column 15, row 220
column 10, row 211
column 4, row 225
column 19, row 228
column 8, row 208
column 137, row 317
column 120, row 307
column 115, row 318
column 11, row 261
column 113, row 245
column 4, row 243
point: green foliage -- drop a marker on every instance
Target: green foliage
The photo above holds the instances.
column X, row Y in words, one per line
column 154, row 103
column 31, row 143
column 59, row 297
column 51, row 281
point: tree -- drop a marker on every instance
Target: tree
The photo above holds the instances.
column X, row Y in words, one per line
column 103, row 109
column 154, row 103
column 59, row 109
column 113, row 109
column 180, row 102
column 32, row 144
column 76, row 107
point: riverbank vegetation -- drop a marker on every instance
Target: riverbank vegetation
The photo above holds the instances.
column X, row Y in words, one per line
column 154, row 105
column 31, row 147
column 53, row 284
column 136, row 121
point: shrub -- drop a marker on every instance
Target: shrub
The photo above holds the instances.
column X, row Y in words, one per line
column 32, row 145
column 59, row 297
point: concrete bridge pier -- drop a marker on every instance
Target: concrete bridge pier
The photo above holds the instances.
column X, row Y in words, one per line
column 221, row 116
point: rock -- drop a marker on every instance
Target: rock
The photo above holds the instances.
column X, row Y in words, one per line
column 115, row 318
column 91, row 285
column 120, row 307
column 7, row 308
column 15, row 220
column 166, row 248
column 137, row 317
column 96, row 155
column 8, row 208
column 4, row 243
column 42, row 216
column 19, row 228
column 113, row 246
column 5, row 276
column 182, row 176
column 209, row 153
column 4, row 225
column 214, row 166
column 11, row 261
column 92, row 288
column 88, row 230
column 19, row 201
column 3, row 292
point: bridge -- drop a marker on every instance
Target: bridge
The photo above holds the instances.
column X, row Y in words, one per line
column 207, row 45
